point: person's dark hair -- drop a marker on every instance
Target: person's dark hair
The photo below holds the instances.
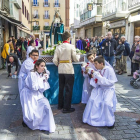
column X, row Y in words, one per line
column 65, row 36
column 37, row 63
column 100, row 60
column 34, row 51
column 89, row 54
column 32, row 41
column 121, row 40
column 9, row 41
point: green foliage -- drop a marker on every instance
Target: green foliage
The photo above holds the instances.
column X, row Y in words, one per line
column 82, row 52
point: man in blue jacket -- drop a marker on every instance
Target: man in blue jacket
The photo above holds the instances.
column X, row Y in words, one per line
column 126, row 53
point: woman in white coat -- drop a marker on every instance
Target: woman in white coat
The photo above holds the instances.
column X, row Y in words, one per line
column 30, row 47
column 37, row 113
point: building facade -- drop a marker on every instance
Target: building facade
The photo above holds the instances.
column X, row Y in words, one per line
column 42, row 15
column 88, row 23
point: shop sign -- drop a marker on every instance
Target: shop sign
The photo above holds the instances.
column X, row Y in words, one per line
column 118, row 24
column 89, row 6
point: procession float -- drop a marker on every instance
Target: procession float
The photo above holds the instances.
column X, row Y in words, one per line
column 57, row 29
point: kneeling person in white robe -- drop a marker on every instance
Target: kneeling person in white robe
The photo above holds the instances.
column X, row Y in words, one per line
column 87, row 88
column 26, row 67
column 37, row 113
column 102, row 102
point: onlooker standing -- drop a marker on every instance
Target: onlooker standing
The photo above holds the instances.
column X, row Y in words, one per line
column 108, row 47
column 117, row 38
column 136, row 58
column 23, row 49
column 11, row 45
column 6, row 51
column 84, row 44
column 119, row 57
column 126, row 52
column 132, row 53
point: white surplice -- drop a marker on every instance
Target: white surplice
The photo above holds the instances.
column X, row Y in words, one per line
column 37, row 113
column 87, row 88
column 29, row 49
column 26, row 67
column 101, row 105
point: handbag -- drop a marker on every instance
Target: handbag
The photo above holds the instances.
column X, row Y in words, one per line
column 136, row 58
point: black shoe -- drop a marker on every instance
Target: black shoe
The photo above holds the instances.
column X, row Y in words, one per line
column 130, row 75
column 68, row 110
column 111, row 127
column 24, row 124
column 59, row 108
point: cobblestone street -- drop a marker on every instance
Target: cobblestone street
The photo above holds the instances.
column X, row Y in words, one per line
column 70, row 126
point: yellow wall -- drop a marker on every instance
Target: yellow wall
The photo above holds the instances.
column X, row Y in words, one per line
column 41, row 11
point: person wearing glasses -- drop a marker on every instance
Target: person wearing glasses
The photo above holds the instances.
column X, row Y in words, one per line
column 26, row 67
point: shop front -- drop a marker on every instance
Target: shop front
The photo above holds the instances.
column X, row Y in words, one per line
column 118, row 27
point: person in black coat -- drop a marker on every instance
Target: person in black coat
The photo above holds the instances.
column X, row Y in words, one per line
column 108, row 47
column 12, row 60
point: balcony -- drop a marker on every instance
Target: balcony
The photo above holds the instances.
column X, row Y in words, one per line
column 17, row 3
column 114, row 9
column 133, row 5
column 35, row 4
column 46, row 16
column 35, row 16
column 56, row 5
column 46, row 4
column 36, row 27
column 5, row 6
column 89, row 17
column 47, row 27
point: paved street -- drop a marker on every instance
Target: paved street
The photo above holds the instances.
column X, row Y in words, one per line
column 70, row 126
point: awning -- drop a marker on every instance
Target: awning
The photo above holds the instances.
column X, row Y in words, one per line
column 15, row 22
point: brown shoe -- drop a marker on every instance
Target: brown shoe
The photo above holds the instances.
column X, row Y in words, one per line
column 138, row 121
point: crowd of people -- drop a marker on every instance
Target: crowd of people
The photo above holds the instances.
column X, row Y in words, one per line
column 98, row 88
column 115, row 50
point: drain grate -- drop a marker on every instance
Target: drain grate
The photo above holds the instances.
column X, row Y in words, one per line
column 10, row 97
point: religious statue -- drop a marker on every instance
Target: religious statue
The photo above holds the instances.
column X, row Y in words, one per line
column 57, row 28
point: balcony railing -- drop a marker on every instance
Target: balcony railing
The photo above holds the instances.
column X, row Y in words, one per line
column 133, row 4
column 47, row 27
column 46, row 16
column 56, row 5
column 36, row 27
column 5, row 6
column 35, row 4
column 17, row 3
column 46, row 4
column 35, row 16
column 114, row 6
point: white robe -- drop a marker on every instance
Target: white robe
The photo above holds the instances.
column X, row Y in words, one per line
column 102, row 102
column 87, row 88
column 37, row 113
column 26, row 67
column 29, row 49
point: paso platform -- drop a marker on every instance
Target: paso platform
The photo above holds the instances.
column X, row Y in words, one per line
column 52, row 93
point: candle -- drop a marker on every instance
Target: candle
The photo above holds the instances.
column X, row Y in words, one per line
column 48, row 42
column 45, row 42
column 52, row 40
column 74, row 39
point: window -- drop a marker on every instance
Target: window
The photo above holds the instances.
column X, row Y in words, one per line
column 35, row 13
column 46, row 14
column 22, row 7
column 46, row 23
column 25, row 11
column 34, row 2
column 35, row 23
column 27, row 15
column 45, row 2
column 56, row 3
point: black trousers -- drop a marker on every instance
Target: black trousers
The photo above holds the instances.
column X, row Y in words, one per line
column 135, row 66
column 66, row 82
